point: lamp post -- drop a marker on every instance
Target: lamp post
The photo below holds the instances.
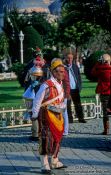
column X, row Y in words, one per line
column 21, row 38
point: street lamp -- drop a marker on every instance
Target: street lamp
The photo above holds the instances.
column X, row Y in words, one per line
column 21, row 38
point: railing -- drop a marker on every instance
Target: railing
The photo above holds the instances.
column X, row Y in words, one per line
column 91, row 110
column 14, row 117
column 8, row 76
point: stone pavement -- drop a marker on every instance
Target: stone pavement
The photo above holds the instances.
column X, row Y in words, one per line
column 84, row 150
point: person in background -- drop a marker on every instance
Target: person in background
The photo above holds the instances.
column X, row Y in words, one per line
column 75, row 86
column 109, row 107
column 48, row 107
column 66, row 87
column 102, row 70
column 36, row 75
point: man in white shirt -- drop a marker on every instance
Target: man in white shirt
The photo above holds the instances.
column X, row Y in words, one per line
column 48, row 107
column 75, row 88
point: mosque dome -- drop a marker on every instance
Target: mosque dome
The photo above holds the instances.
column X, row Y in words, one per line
column 28, row 6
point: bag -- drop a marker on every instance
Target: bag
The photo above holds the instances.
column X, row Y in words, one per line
column 26, row 116
column 29, row 94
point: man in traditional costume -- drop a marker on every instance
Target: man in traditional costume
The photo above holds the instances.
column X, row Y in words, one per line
column 48, row 107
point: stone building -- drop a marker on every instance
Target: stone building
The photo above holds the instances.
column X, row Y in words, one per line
column 24, row 5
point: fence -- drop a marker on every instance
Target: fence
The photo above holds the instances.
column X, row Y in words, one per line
column 14, row 117
column 8, row 76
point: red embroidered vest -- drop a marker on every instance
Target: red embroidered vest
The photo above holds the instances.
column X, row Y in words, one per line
column 53, row 92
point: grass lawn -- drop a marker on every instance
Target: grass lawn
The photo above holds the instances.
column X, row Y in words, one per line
column 11, row 93
column 88, row 90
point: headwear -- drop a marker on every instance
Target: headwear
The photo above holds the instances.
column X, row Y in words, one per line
column 106, row 57
column 56, row 62
column 39, row 62
column 37, row 52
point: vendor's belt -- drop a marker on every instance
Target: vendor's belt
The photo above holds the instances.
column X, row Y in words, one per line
column 55, row 109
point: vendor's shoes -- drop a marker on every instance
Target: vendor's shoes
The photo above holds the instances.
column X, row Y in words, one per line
column 44, row 171
column 56, row 164
column 33, row 138
column 45, row 168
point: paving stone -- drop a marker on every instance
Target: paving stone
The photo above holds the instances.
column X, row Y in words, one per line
column 84, row 150
column 6, row 166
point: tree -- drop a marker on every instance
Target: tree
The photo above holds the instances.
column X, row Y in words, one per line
column 81, row 23
column 32, row 39
column 109, row 2
column 4, row 46
column 40, row 23
column 95, row 12
column 18, row 68
column 46, row 28
column 90, row 62
column 101, row 41
column 77, row 34
column 14, row 22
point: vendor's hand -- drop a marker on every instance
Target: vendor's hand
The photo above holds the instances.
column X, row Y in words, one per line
column 33, row 119
column 34, row 116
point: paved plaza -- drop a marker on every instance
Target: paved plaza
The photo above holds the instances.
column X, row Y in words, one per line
column 85, row 151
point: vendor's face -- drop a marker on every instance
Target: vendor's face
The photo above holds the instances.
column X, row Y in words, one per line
column 69, row 58
column 58, row 73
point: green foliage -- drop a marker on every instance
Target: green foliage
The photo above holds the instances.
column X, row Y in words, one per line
column 82, row 21
column 12, row 26
column 17, row 68
column 3, row 46
column 79, row 33
column 49, row 54
column 93, row 11
column 32, row 39
column 109, row 2
column 101, row 41
column 40, row 23
column 52, row 37
column 14, row 22
column 73, row 27
column 90, row 62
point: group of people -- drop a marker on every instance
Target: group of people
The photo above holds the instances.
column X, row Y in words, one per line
column 50, row 108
